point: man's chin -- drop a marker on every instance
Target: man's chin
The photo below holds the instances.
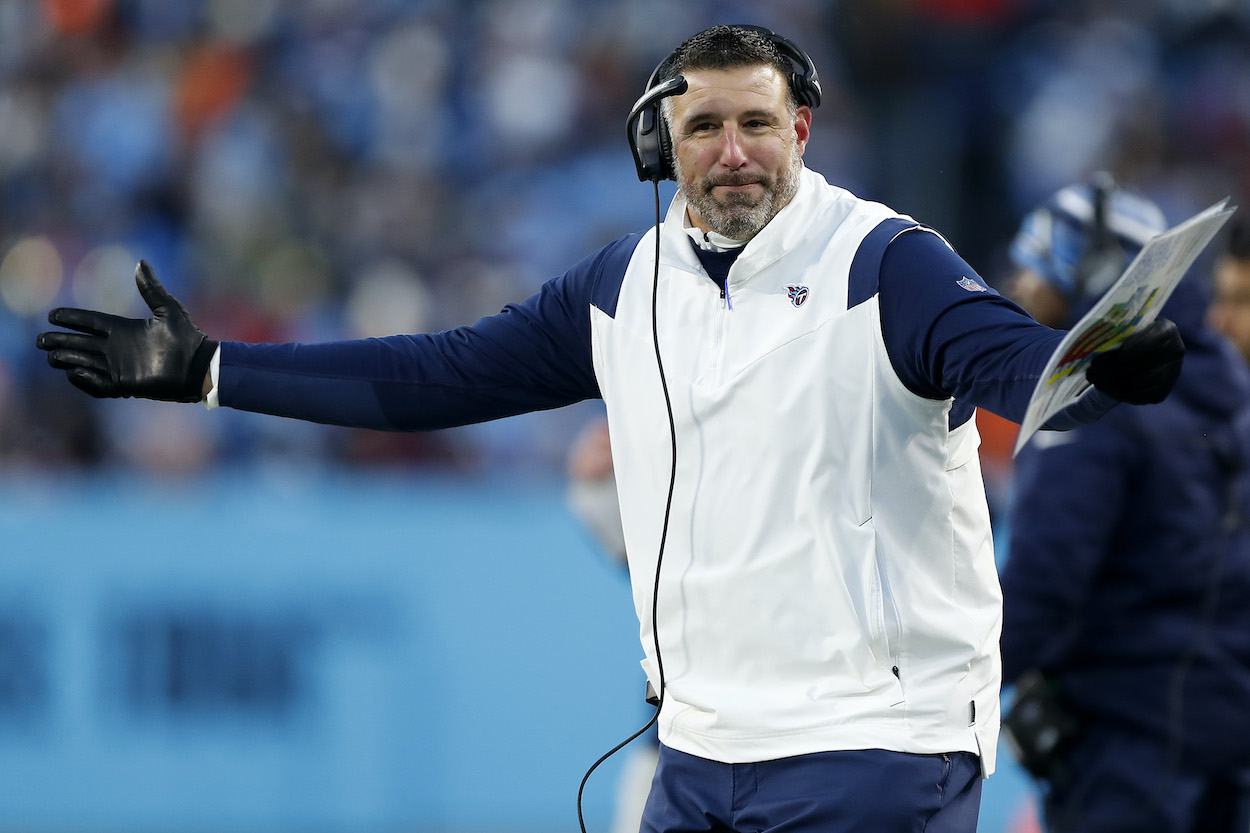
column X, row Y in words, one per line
column 738, row 225
column 737, row 202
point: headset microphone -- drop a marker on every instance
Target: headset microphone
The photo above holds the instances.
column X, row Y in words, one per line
column 648, row 134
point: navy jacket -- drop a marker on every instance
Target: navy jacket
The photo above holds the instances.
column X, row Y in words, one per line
column 1127, row 578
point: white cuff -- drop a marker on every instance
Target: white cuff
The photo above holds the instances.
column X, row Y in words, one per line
column 214, row 372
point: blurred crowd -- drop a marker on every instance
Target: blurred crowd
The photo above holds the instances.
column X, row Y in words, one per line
column 319, row 169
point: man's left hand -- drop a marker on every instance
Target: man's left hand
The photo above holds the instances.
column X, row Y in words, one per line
column 1143, row 368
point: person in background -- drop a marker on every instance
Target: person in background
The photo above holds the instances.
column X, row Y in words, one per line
column 1230, row 304
column 1126, row 588
column 591, row 493
column 789, row 374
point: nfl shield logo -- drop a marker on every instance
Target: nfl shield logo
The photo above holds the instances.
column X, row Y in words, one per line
column 798, row 294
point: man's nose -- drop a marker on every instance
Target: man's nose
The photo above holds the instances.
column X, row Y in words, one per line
column 733, row 151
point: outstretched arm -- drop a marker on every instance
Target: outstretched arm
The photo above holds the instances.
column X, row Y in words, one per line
column 531, row 356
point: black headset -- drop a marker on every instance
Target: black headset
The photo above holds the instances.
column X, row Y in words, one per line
column 649, row 137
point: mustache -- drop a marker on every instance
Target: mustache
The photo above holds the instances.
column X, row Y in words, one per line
column 711, row 183
column 734, row 180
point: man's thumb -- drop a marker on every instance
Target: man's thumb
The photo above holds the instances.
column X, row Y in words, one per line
column 154, row 294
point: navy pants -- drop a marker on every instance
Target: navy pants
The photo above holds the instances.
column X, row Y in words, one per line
column 827, row 792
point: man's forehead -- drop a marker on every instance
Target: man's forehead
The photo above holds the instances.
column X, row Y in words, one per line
column 760, row 85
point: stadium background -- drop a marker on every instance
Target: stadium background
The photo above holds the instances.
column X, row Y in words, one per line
column 235, row 623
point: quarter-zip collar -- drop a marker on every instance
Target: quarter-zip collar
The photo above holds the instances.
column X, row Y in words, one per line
column 710, row 241
column 783, row 233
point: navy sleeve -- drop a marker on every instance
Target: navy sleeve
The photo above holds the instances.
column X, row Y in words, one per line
column 531, row 356
column 950, row 335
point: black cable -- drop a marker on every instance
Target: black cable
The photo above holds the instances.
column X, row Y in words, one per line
column 668, row 507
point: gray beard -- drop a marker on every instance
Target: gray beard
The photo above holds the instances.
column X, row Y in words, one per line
column 741, row 216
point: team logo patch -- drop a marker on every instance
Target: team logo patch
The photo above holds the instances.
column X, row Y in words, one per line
column 970, row 285
column 797, row 294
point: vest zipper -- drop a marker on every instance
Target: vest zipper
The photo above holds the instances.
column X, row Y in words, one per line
column 726, row 306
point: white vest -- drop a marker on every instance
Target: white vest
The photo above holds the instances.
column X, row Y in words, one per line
column 828, row 576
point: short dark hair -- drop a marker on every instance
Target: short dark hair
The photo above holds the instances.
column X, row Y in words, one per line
column 727, row 47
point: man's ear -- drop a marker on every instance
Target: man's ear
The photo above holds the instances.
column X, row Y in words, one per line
column 803, row 127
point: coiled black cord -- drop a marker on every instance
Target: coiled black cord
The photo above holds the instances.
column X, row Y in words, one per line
column 668, row 507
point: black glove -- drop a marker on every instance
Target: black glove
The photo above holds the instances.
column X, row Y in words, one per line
column 1143, row 369
column 1039, row 728
column 164, row 357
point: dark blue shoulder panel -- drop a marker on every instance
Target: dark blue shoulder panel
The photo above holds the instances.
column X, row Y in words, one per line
column 606, row 270
column 866, row 266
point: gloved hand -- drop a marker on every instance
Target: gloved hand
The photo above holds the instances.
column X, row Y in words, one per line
column 1040, row 728
column 1143, row 368
column 164, row 357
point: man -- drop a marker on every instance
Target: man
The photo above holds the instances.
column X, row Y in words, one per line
column 1126, row 588
column 1230, row 306
column 789, row 374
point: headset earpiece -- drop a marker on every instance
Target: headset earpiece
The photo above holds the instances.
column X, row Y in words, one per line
column 647, row 130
